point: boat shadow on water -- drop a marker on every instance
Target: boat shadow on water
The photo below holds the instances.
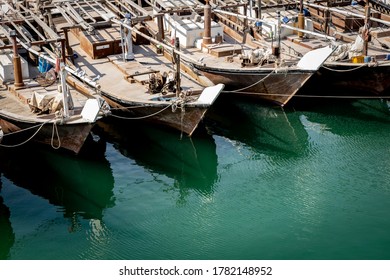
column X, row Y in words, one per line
column 266, row 129
column 346, row 117
column 190, row 161
column 7, row 234
column 80, row 187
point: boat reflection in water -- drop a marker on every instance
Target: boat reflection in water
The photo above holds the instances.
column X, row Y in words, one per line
column 273, row 131
column 190, row 161
column 7, row 234
column 79, row 187
column 363, row 116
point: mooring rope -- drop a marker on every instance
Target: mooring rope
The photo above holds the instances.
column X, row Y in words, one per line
column 142, row 117
column 259, row 81
column 26, row 141
column 55, row 129
column 177, row 103
column 318, row 96
column 345, row 70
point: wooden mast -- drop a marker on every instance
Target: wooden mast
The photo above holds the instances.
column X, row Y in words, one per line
column 366, row 29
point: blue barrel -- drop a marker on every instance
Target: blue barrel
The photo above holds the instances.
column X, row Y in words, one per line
column 388, row 56
column 258, row 23
column 43, row 65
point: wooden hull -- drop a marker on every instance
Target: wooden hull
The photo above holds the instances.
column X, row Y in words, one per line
column 185, row 120
column 70, row 137
column 358, row 77
column 266, row 84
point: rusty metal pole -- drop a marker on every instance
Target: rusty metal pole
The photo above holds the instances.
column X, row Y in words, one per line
column 17, row 62
column 207, row 24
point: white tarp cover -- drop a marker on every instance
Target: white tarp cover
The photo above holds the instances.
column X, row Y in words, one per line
column 45, row 101
column 348, row 50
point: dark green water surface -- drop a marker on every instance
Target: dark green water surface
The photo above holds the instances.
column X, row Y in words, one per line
column 308, row 182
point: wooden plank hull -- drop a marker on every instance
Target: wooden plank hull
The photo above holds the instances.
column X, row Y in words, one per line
column 270, row 85
column 359, row 77
column 184, row 119
column 70, row 137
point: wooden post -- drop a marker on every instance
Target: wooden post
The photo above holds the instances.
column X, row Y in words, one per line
column 207, row 24
column 245, row 19
column 327, row 19
column 366, row 31
column 63, row 52
column 301, row 19
column 177, row 61
column 160, row 25
column 276, row 49
column 69, row 50
column 18, row 76
column 259, row 13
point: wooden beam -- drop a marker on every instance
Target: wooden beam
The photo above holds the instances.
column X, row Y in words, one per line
column 41, row 23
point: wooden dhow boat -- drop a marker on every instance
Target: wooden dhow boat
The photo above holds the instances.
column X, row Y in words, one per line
column 271, row 82
column 362, row 61
column 36, row 104
column 137, row 81
column 246, row 68
column 255, row 46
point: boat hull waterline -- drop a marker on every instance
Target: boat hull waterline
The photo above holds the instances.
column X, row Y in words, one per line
column 66, row 136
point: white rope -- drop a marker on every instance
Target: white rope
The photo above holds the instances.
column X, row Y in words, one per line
column 143, row 117
column 184, row 98
column 24, row 142
column 346, row 70
column 318, row 96
column 55, row 129
column 259, row 81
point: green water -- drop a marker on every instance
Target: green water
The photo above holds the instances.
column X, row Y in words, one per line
column 307, row 182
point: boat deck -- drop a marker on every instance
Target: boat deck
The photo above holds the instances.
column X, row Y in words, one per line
column 14, row 102
column 127, row 80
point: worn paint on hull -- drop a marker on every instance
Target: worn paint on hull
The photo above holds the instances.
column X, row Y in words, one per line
column 70, row 136
column 276, row 86
column 184, row 119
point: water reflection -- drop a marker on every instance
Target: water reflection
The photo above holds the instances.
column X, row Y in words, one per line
column 7, row 234
column 347, row 117
column 191, row 162
column 269, row 130
column 81, row 187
